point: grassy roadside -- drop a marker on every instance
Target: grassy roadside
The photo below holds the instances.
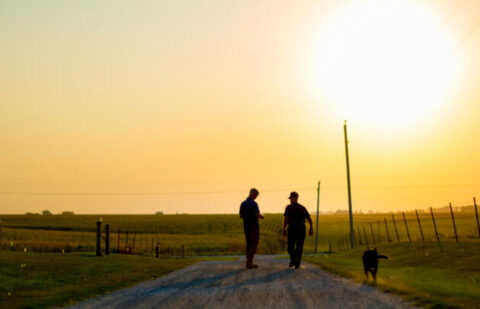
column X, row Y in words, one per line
column 39, row 280
column 429, row 276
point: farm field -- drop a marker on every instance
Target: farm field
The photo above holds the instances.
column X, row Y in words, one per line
column 197, row 234
column 216, row 234
column 432, row 276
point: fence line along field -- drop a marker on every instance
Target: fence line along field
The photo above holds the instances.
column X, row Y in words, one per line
column 198, row 234
column 220, row 234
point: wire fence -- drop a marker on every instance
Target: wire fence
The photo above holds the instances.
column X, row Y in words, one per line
column 218, row 236
column 413, row 226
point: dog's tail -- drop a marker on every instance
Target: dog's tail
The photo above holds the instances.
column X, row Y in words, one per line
column 383, row 257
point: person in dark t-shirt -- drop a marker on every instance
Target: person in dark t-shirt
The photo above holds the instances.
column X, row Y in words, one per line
column 250, row 213
column 294, row 217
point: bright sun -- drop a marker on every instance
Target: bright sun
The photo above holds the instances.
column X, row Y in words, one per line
column 389, row 64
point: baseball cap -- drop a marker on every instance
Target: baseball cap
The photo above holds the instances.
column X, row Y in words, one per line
column 293, row 194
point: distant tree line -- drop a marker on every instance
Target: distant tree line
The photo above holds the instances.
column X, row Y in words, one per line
column 49, row 213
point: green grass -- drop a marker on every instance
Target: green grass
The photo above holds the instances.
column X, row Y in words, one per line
column 214, row 234
column 430, row 276
column 39, row 280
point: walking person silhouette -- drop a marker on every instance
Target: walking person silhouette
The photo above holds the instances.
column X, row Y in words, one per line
column 294, row 217
column 250, row 213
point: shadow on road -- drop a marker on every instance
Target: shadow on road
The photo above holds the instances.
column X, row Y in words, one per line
column 197, row 282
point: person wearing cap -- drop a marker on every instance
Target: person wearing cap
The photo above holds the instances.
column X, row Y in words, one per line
column 294, row 217
column 250, row 213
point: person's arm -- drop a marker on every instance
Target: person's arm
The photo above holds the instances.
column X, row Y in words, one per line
column 241, row 212
column 310, row 231
column 285, row 223
column 257, row 213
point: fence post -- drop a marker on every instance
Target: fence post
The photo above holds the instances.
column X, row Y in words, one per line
column 156, row 251
column 1, row 232
column 359, row 236
column 329, row 247
column 126, row 244
column 476, row 214
column 373, row 234
column 406, row 227
column 152, row 245
column 395, row 226
column 99, row 237
column 453, row 221
column 434, row 225
column 386, row 229
column 133, row 244
column 107, row 239
column 365, row 234
column 420, row 226
column 183, row 252
column 379, row 234
column 118, row 241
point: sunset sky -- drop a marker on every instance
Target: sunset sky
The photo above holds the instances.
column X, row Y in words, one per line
column 183, row 106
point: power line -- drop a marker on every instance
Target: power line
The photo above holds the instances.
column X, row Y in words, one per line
column 144, row 193
column 232, row 191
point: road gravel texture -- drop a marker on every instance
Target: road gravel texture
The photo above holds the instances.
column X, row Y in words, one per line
column 215, row 284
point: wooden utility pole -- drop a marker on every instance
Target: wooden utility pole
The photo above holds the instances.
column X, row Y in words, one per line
column 352, row 236
column 318, row 210
column 476, row 215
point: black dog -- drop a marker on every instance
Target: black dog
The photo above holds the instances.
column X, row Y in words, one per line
column 370, row 262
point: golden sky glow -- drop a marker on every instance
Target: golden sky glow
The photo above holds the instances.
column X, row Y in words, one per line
column 182, row 106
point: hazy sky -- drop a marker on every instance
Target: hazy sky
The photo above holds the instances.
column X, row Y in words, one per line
column 182, row 106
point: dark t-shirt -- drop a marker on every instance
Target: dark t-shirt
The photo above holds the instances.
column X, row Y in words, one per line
column 296, row 214
column 248, row 211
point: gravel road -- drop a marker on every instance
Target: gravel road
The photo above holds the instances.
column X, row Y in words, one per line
column 215, row 284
